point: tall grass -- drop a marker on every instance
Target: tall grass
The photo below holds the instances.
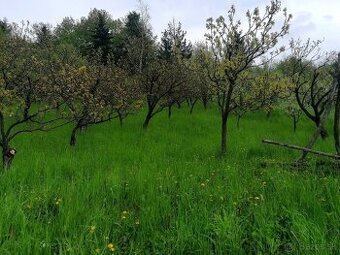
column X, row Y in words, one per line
column 166, row 190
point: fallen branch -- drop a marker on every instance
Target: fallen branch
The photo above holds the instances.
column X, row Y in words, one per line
column 294, row 147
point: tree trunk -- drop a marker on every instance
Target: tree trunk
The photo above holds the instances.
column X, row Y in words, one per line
column 225, row 114
column 294, row 123
column 120, row 117
column 28, row 104
column 28, row 101
column 169, row 111
column 73, row 138
column 148, row 118
column 193, row 105
column 323, row 131
column 8, row 155
column 238, row 121
column 58, row 107
column 26, row 112
column 83, row 129
column 205, row 104
column 268, row 115
column 336, row 126
column 224, row 133
column 4, row 164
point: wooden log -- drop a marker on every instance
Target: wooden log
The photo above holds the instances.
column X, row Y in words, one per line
column 295, row 147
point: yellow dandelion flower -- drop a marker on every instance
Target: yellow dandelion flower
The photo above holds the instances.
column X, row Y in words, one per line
column 92, row 229
column 58, row 201
column 125, row 214
column 111, row 247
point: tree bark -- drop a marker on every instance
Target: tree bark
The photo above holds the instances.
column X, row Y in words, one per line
column 169, row 111
column 8, row 155
column 295, row 123
column 4, row 164
column 224, row 133
column 28, row 101
column 336, row 126
column 323, row 131
column 148, row 118
column 193, row 105
column 120, row 117
column 3, row 160
column 205, row 104
column 28, row 104
column 225, row 110
column 73, row 138
column 4, row 151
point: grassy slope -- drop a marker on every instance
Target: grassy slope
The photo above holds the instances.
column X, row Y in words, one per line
column 179, row 197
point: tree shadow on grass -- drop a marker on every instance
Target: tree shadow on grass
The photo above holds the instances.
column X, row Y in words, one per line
column 321, row 168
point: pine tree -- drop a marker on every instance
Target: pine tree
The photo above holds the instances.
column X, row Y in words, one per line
column 173, row 43
column 101, row 37
column 139, row 42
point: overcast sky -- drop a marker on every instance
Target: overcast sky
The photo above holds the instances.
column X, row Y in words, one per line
column 317, row 19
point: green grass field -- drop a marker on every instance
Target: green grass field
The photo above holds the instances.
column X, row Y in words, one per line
column 166, row 190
